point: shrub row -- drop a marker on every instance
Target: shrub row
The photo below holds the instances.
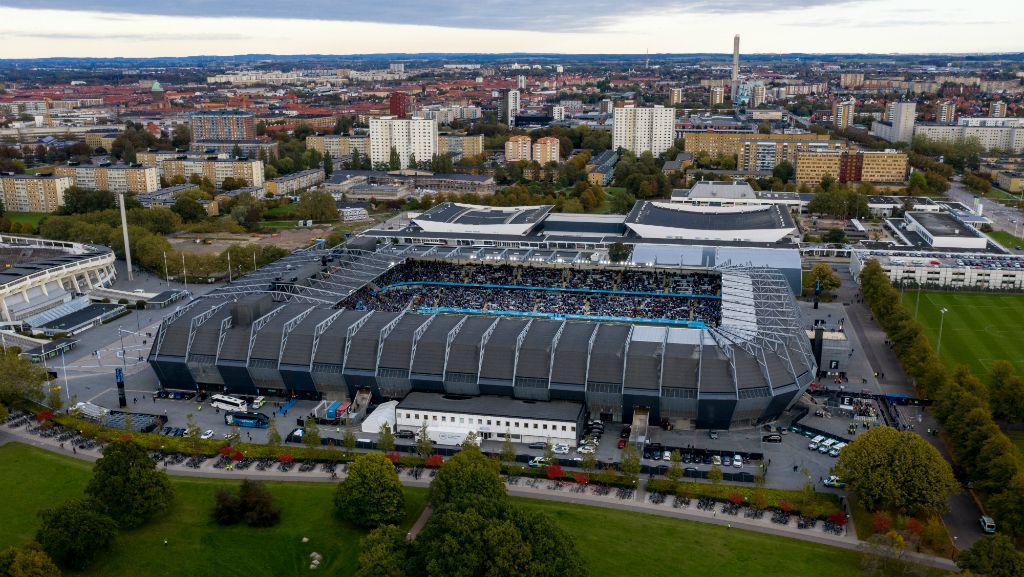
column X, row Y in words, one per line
column 811, row 504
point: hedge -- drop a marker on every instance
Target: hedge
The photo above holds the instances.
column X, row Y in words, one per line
column 819, row 505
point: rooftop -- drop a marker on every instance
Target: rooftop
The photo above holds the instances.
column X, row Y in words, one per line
column 453, row 213
column 943, row 224
column 674, row 216
column 496, row 406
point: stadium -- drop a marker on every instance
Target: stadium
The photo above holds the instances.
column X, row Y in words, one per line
column 708, row 347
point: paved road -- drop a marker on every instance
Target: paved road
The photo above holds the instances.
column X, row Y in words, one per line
column 640, row 504
column 1003, row 217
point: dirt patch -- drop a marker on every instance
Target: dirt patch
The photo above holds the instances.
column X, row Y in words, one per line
column 216, row 243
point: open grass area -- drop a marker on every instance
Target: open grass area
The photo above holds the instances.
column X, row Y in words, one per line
column 978, row 329
column 1006, row 239
column 614, row 542
column 281, row 211
column 32, row 218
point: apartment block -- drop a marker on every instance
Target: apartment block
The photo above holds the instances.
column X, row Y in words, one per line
column 101, row 139
column 760, row 155
column 758, row 95
column 898, row 125
column 291, row 184
column 812, row 166
column 460, row 145
column 1011, row 181
column 518, row 148
column 945, row 113
column 251, row 148
column 222, row 125
column 717, row 143
column 339, row 145
column 216, row 170
column 888, row 166
column 116, row 178
column 413, row 138
column 399, row 104
column 546, row 150
column 33, row 193
column 675, row 96
column 717, row 96
column 510, row 105
column 997, row 109
column 1006, row 134
column 842, row 114
column 851, row 79
column 643, row 129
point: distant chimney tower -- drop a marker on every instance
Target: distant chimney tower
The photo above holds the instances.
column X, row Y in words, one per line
column 735, row 66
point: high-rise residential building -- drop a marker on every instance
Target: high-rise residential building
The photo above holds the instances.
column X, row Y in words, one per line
column 32, row 192
column 216, row 170
column 842, row 114
column 716, row 143
column 521, row 82
column 546, row 150
column 644, row 129
column 222, row 125
column 518, row 148
column 945, row 113
column 510, row 107
column 899, row 123
column 606, row 106
column 758, row 95
column 755, row 154
column 735, row 66
column 116, row 178
column 717, row 96
column 399, row 104
column 460, row 145
column 675, row 96
column 339, row 145
column 557, row 113
column 411, row 138
column 997, row 109
column 991, row 133
column 397, row 68
column 888, row 166
column 851, row 79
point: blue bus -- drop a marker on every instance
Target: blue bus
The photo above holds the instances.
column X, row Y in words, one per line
column 247, row 419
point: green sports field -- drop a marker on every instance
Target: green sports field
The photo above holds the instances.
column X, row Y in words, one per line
column 978, row 330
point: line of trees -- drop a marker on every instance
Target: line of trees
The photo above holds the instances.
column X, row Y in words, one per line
column 964, row 405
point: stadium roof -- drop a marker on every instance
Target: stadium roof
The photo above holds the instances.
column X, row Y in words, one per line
column 763, row 223
column 453, row 217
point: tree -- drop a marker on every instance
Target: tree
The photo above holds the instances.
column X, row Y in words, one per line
column 126, row 483
column 424, row 446
column 273, row 435
column 993, row 556
column 348, row 440
column 385, row 438
column 74, row 533
column 328, row 164
column 823, row 273
column 311, row 433
column 589, row 464
column 469, row 472
column 896, row 470
column 128, row 153
column 784, row 171
column 372, row 494
column 394, row 161
column 192, row 430
column 20, row 379
column 629, row 462
column 383, row 553
column 236, row 151
column 675, row 470
column 619, row 252
column 508, row 450
column 27, row 561
column 188, row 209
column 79, row 201
column 834, row 236
column 253, row 504
column 715, row 476
column 317, row 205
column 1006, row 390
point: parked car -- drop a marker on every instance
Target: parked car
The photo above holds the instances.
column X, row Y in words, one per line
column 207, row 434
column 586, row 449
column 716, row 460
column 537, row 445
column 259, row 402
column 405, row 434
column 833, row 481
column 561, row 449
column 737, row 461
column 773, row 438
column 987, row 524
column 625, row 432
column 687, row 457
column 713, row 434
column 622, row 443
column 726, row 461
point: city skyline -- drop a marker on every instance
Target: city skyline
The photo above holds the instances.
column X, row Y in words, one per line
column 56, row 28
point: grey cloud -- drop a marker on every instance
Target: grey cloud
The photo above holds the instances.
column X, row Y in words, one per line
column 542, row 15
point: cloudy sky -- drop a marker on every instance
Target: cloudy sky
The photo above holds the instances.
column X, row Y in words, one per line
column 139, row 28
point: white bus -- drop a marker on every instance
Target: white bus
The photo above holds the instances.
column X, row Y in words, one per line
column 228, row 403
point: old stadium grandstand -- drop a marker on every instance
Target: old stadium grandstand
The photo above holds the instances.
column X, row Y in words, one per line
column 702, row 347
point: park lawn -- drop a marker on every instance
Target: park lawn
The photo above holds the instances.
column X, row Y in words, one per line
column 281, row 211
column 197, row 546
column 979, row 329
column 32, row 218
column 617, row 543
column 1006, row 239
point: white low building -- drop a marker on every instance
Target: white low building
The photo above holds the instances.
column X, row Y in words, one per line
column 450, row 418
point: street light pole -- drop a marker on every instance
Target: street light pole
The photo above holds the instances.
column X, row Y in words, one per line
column 942, row 318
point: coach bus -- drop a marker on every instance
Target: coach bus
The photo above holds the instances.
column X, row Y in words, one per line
column 228, row 403
column 247, row 419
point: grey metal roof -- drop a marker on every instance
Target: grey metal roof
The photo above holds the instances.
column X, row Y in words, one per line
column 496, row 406
column 715, row 373
column 748, row 371
column 535, row 353
column 464, row 355
column 362, row 354
column 299, row 347
column 429, row 358
column 208, row 334
column 682, row 362
column 267, row 344
column 607, row 356
column 331, row 346
column 500, row 352
column 398, row 346
column 762, row 217
column 570, row 364
column 643, row 365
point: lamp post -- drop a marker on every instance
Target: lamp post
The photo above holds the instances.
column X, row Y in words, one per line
column 942, row 318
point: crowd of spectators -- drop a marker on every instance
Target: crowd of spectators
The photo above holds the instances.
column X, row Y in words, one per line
column 383, row 295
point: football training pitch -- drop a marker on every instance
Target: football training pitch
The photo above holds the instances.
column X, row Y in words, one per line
column 978, row 330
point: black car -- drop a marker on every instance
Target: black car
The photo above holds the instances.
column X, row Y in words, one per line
column 537, row 445
column 707, row 459
column 687, row 457
column 405, row 434
column 773, row 438
column 625, row 432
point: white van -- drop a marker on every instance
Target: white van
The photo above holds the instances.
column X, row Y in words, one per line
column 835, row 449
column 813, row 445
column 825, row 447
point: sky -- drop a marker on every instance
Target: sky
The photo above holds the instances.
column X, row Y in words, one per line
column 146, row 28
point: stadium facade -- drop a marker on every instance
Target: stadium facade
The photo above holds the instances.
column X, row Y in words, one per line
column 327, row 323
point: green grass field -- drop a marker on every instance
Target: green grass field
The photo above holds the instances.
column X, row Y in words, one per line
column 978, row 330
column 1006, row 239
column 614, row 543
column 32, row 218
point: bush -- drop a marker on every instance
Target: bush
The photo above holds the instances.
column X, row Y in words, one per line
column 881, row 522
column 74, row 533
column 253, row 504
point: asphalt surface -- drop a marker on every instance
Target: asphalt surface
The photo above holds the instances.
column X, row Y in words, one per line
column 1003, row 217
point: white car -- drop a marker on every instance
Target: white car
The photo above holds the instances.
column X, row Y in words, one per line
column 561, row 449
column 586, row 449
column 259, row 402
column 737, row 461
column 207, row 434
